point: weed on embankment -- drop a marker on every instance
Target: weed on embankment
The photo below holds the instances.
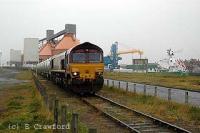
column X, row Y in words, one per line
column 172, row 80
column 181, row 114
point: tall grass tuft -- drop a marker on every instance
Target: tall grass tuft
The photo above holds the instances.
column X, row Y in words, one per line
column 194, row 113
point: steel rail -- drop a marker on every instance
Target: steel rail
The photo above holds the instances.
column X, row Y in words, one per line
column 153, row 119
column 40, row 87
column 121, row 123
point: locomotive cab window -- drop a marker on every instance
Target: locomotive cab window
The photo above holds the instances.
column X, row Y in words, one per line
column 79, row 57
column 83, row 56
column 94, row 57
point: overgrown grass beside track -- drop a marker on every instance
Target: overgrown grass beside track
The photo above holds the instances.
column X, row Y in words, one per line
column 22, row 104
column 24, row 75
column 72, row 102
column 161, row 79
column 2, row 70
column 183, row 115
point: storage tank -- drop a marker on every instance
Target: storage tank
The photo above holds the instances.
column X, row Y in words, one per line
column 68, row 41
column 31, row 49
column 46, row 50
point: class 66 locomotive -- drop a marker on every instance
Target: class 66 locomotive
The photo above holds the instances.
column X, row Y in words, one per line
column 79, row 68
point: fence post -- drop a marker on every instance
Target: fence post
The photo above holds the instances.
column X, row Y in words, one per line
column 119, row 84
column 126, row 86
column 169, row 94
column 155, row 91
column 113, row 83
column 36, row 72
column 108, row 82
column 74, row 123
column 134, row 87
column 56, row 113
column 186, row 97
column 52, row 98
column 145, row 87
column 42, row 91
column 64, row 117
column 92, row 130
column 46, row 99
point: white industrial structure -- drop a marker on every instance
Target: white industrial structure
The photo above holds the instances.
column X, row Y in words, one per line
column 31, row 55
column 0, row 59
column 171, row 63
column 15, row 57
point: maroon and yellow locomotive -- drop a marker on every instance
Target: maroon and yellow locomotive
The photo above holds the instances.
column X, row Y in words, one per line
column 79, row 68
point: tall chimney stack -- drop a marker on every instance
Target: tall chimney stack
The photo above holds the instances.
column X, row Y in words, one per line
column 49, row 33
column 70, row 28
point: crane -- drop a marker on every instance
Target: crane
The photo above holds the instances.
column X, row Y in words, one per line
column 112, row 59
column 132, row 51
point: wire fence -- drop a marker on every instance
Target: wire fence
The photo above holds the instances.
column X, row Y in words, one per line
column 60, row 112
column 170, row 94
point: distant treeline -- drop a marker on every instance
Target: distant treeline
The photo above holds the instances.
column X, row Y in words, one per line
column 193, row 66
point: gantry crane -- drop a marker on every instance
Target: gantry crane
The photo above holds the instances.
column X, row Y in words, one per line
column 112, row 60
column 133, row 51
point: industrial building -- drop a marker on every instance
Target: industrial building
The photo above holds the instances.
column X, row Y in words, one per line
column 0, row 59
column 31, row 55
column 51, row 45
column 15, row 58
column 150, row 67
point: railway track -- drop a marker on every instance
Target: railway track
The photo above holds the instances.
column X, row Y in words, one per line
column 87, row 115
column 134, row 120
column 131, row 119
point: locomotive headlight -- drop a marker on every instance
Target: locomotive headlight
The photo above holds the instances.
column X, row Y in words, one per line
column 74, row 73
column 99, row 73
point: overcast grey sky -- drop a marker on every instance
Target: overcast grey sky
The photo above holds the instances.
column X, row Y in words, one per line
column 150, row 25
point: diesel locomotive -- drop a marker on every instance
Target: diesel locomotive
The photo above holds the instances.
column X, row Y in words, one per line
column 79, row 68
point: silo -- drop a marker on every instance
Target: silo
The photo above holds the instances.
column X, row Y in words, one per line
column 68, row 41
column 46, row 49
column 31, row 55
column 15, row 57
column 70, row 28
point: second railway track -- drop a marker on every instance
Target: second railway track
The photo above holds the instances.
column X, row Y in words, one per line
column 134, row 120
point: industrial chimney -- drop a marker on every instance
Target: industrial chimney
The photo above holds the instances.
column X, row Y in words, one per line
column 70, row 29
column 49, row 33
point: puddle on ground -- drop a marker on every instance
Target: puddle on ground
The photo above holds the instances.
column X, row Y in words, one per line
column 10, row 81
column 7, row 78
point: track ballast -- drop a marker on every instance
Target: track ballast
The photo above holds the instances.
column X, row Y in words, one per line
column 134, row 120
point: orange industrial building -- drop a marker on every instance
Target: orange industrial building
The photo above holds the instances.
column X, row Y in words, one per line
column 46, row 51
column 52, row 47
